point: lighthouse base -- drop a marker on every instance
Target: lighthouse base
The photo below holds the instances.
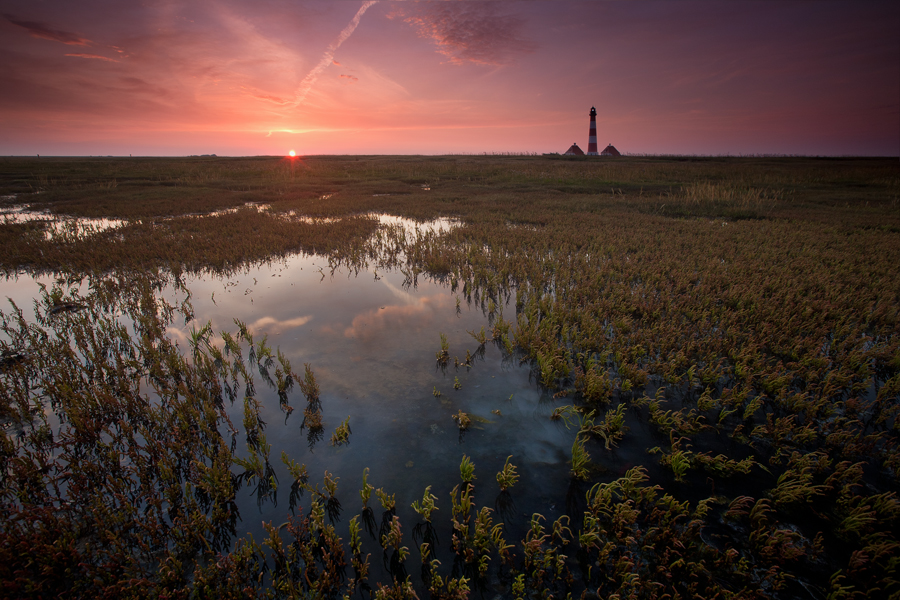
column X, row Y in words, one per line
column 592, row 153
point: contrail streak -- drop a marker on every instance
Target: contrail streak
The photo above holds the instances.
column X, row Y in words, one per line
column 328, row 56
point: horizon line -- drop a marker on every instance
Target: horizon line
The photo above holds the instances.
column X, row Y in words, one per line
column 483, row 153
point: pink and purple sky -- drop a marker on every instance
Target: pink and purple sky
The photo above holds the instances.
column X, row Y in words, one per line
column 232, row 77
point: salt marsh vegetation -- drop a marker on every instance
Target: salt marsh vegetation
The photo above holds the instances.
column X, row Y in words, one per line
column 704, row 357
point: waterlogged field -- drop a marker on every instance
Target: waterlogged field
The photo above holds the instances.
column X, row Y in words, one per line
column 522, row 377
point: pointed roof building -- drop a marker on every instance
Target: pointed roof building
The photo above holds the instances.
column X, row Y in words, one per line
column 574, row 150
column 610, row 150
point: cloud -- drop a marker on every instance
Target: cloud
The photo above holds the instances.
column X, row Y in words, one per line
column 264, row 96
column 39, row 30
column 328, row 56
column 401, row 295
column 469, row 32
column 415, row 314
column 350, row 77
column 94, row 56
column 271, row 323
column 177, row 334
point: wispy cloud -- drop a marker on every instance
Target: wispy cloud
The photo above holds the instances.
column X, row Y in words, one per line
column 272, row 324
column 42, row 31
column 469, row 32
column 328, row 57
column 264, row 96
column 350, row 77
column 94, row 56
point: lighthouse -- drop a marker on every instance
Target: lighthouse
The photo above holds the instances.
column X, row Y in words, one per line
column 592, row 136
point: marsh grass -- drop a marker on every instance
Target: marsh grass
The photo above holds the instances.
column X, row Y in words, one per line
column 743, row 311
column 709, row 199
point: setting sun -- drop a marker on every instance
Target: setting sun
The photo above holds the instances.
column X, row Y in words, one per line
column 292, row 153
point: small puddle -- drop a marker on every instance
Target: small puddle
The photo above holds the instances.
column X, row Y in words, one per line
column 57, row 226
column 260, row 207
column 436, row 226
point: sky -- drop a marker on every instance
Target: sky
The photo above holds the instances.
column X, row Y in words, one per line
column 238, row 78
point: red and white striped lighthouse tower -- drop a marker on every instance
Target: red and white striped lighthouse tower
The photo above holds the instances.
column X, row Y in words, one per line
column 592, row 137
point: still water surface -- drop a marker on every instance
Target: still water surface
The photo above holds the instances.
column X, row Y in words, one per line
column 371, row 341
column 371, row 338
